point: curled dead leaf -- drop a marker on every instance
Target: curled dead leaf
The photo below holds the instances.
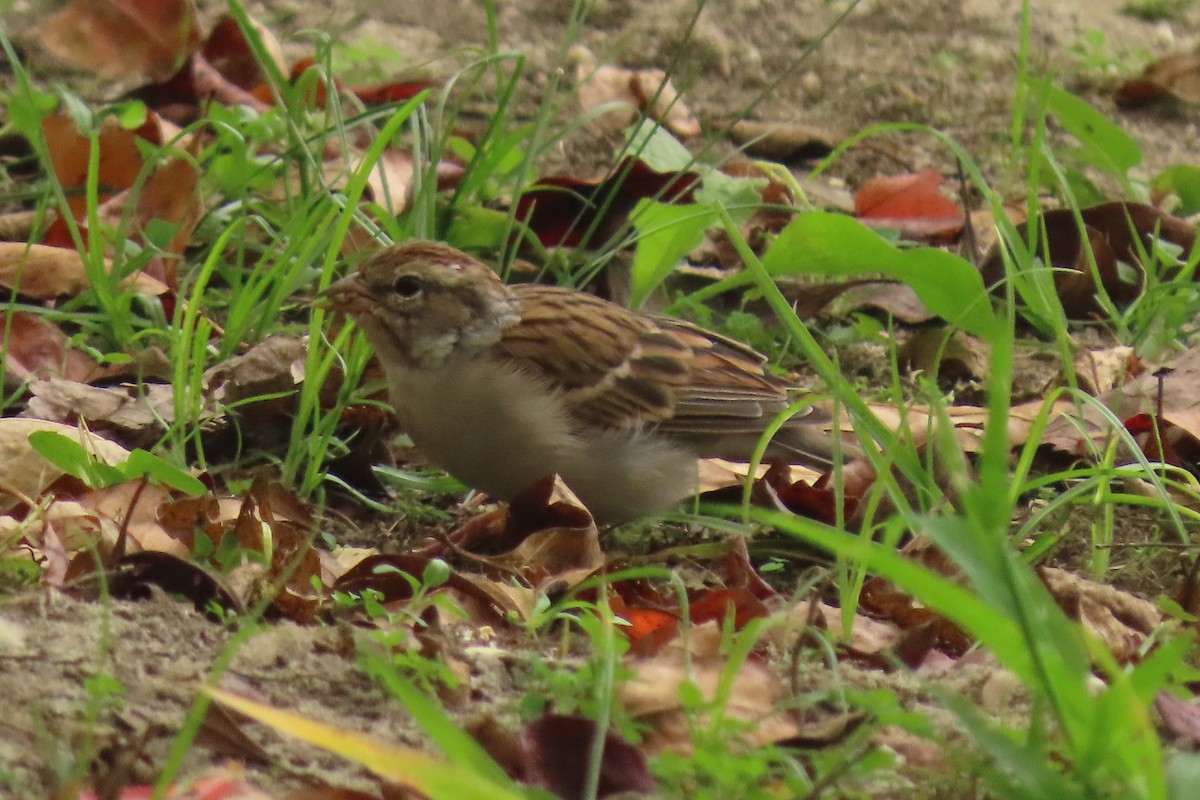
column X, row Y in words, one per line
column 1176, row 75
column 649, row 91
column 1115, row 234
column 782, row 141
column 1119, row 619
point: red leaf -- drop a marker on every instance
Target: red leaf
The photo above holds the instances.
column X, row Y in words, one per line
column 715, row 605
column 910, row 203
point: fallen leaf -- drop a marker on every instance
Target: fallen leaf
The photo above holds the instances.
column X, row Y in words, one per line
column 1173, row 389
column 897, row 299
column 227, row 50
column 402, row 765
column 782, row 141
column 131, row 578
column 949, row 354
column 1176, row 76
column 41, row 272
column 912, row 204
column 34, row 348
column 648, row 91
column 557, row 751
column 123, row 38
column 25, row 474
column 130, row 508
column 394, row 576
column 1118, row 619
column 1101, row 371
column 1115, row 234
column 1180, row 717
column 562, row 210
column 651, row 695
column 120, row 163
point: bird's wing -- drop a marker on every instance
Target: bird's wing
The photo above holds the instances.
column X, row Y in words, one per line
column 620, row 369
column 614, row 368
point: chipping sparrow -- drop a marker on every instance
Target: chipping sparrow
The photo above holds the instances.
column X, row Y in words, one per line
column 504, row 385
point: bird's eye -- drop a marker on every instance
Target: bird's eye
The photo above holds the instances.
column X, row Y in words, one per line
column 408, row 286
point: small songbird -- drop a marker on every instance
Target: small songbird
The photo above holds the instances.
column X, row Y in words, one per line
column 504, row 385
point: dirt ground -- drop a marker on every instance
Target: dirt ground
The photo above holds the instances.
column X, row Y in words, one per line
column 943, row 63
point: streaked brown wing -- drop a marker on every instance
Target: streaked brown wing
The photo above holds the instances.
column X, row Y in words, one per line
column 615, row 368
column 619, row 369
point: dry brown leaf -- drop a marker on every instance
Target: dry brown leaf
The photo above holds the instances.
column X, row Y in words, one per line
column 897, row 299
column 171, row 194
column 135, row 414
column 274, row 365
column 782, row 141
column 18, row 226
column 134, row 506
column 70, row 151
column 390, row 180
column 1176, row 388
column 1180, row 717
column 866, row 635
column 647, row 90
column 717, row 473
column 34, row 347
column 947, row 353
column 1115, row 234
column 652, row 695
column 1120, row 620
column 913, row 750
column 1101, row 371
column 1175, row 75
column 968, row 421
column 42, row 272
column 227, row 50
column 124, row 38
column 24, row 474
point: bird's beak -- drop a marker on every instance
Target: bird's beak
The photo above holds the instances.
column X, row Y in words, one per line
column 347, row 296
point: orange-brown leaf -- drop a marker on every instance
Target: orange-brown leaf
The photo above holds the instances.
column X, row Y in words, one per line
column 124, row 38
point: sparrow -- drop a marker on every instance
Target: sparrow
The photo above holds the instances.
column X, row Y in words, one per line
column 502, row 385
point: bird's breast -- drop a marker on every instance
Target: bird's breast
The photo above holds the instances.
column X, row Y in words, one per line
column 490, row 425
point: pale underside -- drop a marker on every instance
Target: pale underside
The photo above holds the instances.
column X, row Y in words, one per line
column 500, row 430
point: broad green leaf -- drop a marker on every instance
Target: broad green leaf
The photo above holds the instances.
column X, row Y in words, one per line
column 741, row 197
column 64, row 453
column 143, row 463
column 665, row 235
column 658, row 149
column 130, row 113
column 1104, row 144
column 1183, row 180
column 475, row 227
column 823, row 243
column 28, row 108
column 73, row 459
